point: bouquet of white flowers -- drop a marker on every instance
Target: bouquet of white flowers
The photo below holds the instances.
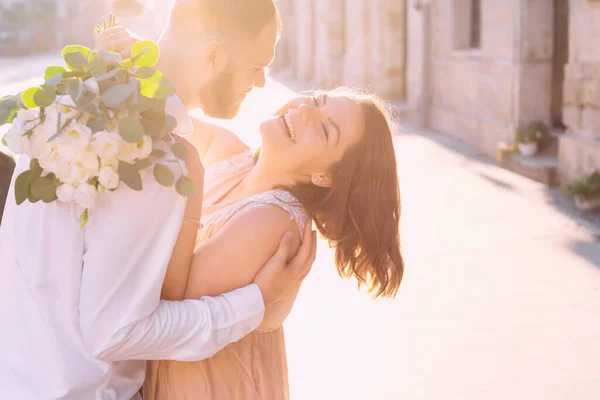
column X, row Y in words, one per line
column 92, row 126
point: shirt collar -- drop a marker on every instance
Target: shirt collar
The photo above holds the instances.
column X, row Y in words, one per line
column 175, row 107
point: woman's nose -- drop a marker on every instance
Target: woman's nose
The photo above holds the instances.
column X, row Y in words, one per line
column 305, row 112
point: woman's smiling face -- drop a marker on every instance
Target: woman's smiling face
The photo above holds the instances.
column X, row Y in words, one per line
column 309, row 139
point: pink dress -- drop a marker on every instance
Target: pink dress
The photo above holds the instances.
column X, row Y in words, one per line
column 255, row 367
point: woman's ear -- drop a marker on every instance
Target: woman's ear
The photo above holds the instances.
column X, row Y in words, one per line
column 321, row 180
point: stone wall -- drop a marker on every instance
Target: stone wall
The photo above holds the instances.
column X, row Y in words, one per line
column 580, row 148
column 480, row 94
column 359, row 43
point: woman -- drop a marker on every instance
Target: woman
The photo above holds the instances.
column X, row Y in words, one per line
column 328, row 157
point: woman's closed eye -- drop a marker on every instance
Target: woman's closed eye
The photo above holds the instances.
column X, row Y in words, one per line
column 325, row 131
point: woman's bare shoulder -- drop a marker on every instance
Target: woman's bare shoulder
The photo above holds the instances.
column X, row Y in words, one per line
column 215, row 143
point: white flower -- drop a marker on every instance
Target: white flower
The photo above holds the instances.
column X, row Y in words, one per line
column 66, row 106
column 49, row 157
column 65, row 193
column 80, row 169
column 75, row 136
column 109, row 162
column 130, row 152
column 16, row 139
column 109, row 178
column 39, row 142
column 85, row 195
column 106, row 144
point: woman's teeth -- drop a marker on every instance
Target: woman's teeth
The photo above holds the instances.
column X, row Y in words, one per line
column 290, row 126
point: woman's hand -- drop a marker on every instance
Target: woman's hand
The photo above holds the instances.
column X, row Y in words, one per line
column 117, row 39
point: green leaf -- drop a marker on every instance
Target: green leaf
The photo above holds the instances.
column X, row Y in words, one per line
column 170, row 123
column 75, row 88
column 53, row 70
column 96, row 124
column 143, row 164
column 8, row 104
column 79, row 61
column 131, row 129
column 4, row 143
column 152, row 129
column 76, row 61
column 54, row 80
column 44, row 189
column 96, row 63
column 35, row 169
column 32, row 199
column 45, row 97
column 117, row 95
column 157, row 89
column 163, row 175
column 28, row 97
column 180, row 151
column 21, row 190
column 73, row 74
column 145, row 54
column 109, row 75
column 83, row 219
column 110, row 57
column 130, row 175
column 147, row 73
column 7, row 116
column 185, row 187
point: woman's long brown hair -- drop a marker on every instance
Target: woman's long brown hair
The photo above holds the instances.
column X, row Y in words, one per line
column 360, row 213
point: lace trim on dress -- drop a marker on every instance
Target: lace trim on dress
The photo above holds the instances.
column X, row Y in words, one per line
column 280, row 198
column 233, row 164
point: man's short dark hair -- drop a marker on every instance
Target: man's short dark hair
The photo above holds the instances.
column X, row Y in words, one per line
column 225, row 17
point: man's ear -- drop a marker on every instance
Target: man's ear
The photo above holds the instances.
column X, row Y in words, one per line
column 215, row 56
column 323, row 180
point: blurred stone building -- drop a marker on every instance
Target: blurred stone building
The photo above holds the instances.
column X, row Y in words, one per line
column 473, row 69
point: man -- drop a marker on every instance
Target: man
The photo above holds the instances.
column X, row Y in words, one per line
column 81, row 308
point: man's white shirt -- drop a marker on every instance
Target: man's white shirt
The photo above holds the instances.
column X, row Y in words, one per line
column 80, row 309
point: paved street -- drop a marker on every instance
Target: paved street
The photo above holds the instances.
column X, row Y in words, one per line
column 500, row 299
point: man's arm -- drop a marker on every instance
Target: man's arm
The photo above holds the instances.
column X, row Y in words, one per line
column 128, row 243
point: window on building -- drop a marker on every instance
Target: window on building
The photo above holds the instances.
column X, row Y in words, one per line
column 467, row 24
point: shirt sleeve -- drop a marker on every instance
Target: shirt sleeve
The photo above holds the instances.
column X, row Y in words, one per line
column 128, row 243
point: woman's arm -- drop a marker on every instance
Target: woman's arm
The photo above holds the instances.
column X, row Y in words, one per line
column 179, row 265
column 233, row 257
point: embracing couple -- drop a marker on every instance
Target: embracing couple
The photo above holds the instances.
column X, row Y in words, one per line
column 187, row 298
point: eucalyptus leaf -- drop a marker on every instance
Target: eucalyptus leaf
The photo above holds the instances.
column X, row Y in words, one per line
column 79, row 61
column 164, row 175
column 4, row 142
column 44, row 189
column 143, row 164
column 96, row 124
column 110, row 57
column 109, row 75
column 28, row 97
column 170, row 123
column 8, row 104
column 75, row 89
column 96, row 63
column 130, row 175
column 117, row 95
column 131, row 129
column 157, row 89
column 32, row 199
column 54, row 80
column 145, row 53
column 85, row 100
column 152, row 129
column 180, row 151
column 52, row 71
column 73, row 74
column 146, row 73
column 76, row 61
column 21, row 191
column 185, row 187
column 45, row 97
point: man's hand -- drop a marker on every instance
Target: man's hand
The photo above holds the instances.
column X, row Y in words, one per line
column 278, row 278
column 117, row 39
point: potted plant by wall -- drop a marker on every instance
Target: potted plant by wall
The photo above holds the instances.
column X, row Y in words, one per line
column 586, row 191
column 528, row 138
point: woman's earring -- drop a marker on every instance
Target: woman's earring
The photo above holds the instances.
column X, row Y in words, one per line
column 315, row 179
